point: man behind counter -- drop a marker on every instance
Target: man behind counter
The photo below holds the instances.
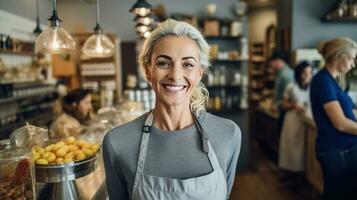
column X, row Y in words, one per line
column 284, row 75
column 77, row 107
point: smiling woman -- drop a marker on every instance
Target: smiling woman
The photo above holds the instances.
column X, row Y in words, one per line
column 191, row 154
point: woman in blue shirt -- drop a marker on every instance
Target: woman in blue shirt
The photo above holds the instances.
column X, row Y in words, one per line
column 332, row 108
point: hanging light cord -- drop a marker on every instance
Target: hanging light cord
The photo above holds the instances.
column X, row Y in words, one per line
column 38, row 9
column 55, row 20
column 54, row 6
column 98, row 18
column 97, row 28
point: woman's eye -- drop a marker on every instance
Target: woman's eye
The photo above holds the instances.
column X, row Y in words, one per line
column 163, row 64
column 188, row 65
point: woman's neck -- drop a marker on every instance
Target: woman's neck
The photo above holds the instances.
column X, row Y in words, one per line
column 332, row 69
column 171, row 118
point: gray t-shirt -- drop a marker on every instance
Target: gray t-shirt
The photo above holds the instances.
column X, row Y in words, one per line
column 173, row 154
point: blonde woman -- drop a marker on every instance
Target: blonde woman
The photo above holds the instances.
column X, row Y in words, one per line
column 176, row 151
column 332, row 108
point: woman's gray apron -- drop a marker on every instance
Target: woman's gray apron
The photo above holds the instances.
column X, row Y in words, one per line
column 212, row 186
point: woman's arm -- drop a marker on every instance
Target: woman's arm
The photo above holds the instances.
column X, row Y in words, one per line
column 287, row 105
column 232, row 165
column 116, row 184
column 338, row 118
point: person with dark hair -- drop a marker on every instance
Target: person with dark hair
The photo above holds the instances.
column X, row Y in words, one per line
column 279, row 62
column 292, row 138
column 76, row 107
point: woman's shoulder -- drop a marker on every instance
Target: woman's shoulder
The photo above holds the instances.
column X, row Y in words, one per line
column 321, row 76
column 133, row 127
column 222, row 127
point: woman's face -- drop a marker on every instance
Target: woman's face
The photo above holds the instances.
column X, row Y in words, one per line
column 85, row 105
column 306, row 75
column 347, row 61
column 174, row 70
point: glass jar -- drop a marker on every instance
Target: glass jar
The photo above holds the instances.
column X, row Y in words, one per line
column 17, row 174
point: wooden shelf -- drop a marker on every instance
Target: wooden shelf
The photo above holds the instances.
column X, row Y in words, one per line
column 11, row 52
column 98, row 60
column 223, row 37
column 12, row 99
column 257, row 59
column 340, row 20
column 229, row 61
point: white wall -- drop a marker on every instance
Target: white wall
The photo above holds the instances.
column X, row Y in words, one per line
column 259, row 19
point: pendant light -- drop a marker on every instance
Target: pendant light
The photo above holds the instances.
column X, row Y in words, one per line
column 38, row 29
column 98, row 45
column 54, row 39
column 146, row 20
column 141, row 8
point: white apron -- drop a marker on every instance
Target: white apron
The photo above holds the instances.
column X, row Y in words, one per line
column 212, row 186
column 292, row 138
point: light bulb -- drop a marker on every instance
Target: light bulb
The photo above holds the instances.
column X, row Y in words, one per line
column 142, row 28
column 144, row 20
column 142, row 11
column 146, row 34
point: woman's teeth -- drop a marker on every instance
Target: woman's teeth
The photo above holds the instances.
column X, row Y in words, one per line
column 174, row 87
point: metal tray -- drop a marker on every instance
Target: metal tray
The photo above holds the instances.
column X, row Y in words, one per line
column 65, row 172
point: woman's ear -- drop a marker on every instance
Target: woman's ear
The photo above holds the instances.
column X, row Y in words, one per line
column 200, row 73
column 74, row 105
column 148, row 73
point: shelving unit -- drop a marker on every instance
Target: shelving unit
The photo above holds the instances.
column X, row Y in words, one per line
column 225, row 72
column 94, row 73
column 26, row 102
column 340, row 20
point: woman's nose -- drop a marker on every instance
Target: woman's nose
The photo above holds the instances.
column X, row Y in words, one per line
column 176, row 72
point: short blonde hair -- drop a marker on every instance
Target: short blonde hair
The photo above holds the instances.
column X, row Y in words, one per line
column 172, row 27
column 333, row 49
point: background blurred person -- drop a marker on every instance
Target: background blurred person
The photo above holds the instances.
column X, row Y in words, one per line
column 77, row 108
column 332, row 108
column 292, row 138
column 279, row 62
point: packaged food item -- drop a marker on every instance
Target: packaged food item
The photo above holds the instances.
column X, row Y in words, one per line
column 64, row 151
column 17, row 180
column 29, row 136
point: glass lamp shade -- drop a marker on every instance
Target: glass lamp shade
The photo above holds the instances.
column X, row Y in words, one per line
column 54, row 40
column 98, row 46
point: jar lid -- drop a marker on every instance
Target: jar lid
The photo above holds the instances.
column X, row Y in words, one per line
column 5, row 144
column 14, row 153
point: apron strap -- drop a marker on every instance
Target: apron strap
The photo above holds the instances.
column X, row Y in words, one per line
column 143, row 147
column 204, row 137
column 213, row 158
column 206, row 145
